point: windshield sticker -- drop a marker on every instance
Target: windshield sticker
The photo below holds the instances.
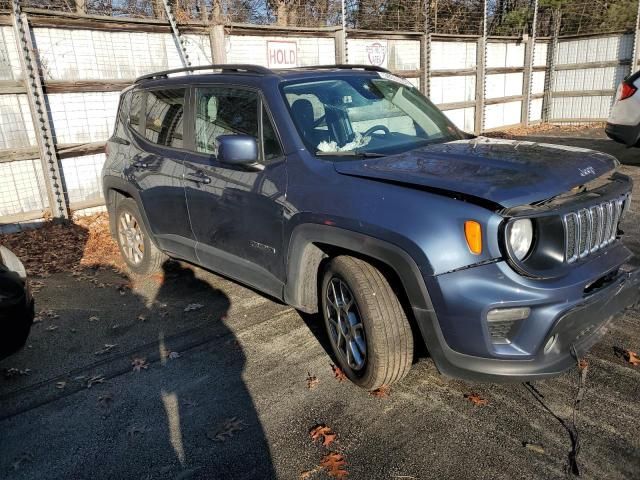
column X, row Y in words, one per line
column 358, row 142
column 394, row 78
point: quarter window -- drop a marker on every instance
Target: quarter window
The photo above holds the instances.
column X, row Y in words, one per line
column 271, row 144
column 165, row 115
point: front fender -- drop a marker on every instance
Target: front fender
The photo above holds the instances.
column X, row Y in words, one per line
column 305, row 254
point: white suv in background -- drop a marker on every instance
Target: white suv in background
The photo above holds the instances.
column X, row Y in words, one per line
column 624, row 122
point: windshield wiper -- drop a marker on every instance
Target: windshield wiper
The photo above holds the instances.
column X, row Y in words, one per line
column 351, row 153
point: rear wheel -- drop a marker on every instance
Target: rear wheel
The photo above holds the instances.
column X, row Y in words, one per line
column 137, row 250
column 368, row 329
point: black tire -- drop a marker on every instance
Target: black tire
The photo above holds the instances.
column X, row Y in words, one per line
column 387, row 333
column 150, row 258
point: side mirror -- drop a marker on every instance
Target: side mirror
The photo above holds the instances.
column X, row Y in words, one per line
column 237, row 149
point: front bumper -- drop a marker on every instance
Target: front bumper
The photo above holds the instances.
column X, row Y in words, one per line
column 628, row 135
column 579, row 323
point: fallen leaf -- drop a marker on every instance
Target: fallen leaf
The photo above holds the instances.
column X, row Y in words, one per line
column 173, row 355
column 334, row 464
column 94, row 318
column 381, row 392
column 632, row 358
column 51, row 328
column 307, row 474
column 61, row 385
column 312, row 381
column 226, row 430
column 339, row 374
column 323, row 432
column 582, row 364
column 142, row 318
column 134, row 430
column 95, row 380
column 139, row 364
column 534, row 447
column 107, row 348
column 476, row 399
column 193, row 306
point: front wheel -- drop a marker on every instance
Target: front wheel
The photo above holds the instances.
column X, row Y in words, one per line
column 367, row 326
column 137, row 249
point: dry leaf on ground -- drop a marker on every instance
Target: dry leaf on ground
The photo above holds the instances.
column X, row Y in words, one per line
column 630, row 357
column 476, row 399
column 193, row 307
column 61, row 385
column 312, row 381
column 226, row 430
column 95, row 380
column 106, row 349
column 134, row 430
column 138, row 364
column 16, row 372
column 381, row 392
column 534, row 447
column 338, row 373
column 582, row 364
column 324, row 433
column 334, row 464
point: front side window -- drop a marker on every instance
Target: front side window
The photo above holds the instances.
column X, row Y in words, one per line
column 350, row 114
column 224, row 111
column 165, row 117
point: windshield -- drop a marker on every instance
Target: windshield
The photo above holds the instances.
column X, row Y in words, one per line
column 360, row 115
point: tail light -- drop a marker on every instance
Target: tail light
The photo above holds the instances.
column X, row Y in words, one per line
column 627, row 91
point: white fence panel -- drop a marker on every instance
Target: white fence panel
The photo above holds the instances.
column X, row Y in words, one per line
column 463, row 118
column 16, row 127
column 501, row 54
column 254, row 49
column 453, row 55
column 502, row 114
column 9, row 60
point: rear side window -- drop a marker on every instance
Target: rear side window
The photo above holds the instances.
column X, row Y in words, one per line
column 165, row 117
column 135, row 110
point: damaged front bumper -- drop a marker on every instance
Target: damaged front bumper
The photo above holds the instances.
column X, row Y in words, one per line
column 573, row 331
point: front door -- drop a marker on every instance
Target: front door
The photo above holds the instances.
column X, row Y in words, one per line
column 236, row 211
column 157, row 169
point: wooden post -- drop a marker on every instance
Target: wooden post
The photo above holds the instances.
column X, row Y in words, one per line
column 81, row 6
column 341, row 57
column 218, row 44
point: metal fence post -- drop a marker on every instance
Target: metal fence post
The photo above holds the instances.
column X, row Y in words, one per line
column 551, row 67
column 481, row 69
column 636, row 42
column 425, row 56
column 344, row 50
column 56, row 191
column 530, row 50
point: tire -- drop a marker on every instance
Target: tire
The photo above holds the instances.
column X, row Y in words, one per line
column 385, row 330
column 146, row 259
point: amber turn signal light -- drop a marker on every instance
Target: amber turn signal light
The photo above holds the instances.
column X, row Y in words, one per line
column 473, row 234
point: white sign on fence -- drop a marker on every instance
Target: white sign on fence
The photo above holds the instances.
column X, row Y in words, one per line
column 282, row 54
column 377, row 53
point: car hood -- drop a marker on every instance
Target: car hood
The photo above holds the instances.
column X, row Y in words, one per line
column 506, row 172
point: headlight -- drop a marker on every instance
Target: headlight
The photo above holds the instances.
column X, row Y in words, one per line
column 12, row 262
column 520, row 237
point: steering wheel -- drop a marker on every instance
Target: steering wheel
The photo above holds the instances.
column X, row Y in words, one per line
column 375, row 128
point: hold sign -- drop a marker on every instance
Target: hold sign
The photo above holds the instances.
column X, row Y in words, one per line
column 282, row 54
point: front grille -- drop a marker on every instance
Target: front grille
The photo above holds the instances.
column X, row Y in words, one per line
column 590, row 229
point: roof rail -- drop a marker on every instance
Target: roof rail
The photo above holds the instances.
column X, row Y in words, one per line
column 341, row 66
column 225, row 67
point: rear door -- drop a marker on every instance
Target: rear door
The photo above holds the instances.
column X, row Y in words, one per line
column 236, row 211
column 157, row 117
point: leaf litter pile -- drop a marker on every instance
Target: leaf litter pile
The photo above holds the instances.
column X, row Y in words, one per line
column 65, row 246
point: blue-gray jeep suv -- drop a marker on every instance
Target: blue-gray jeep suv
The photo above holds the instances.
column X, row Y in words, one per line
column 342, row 189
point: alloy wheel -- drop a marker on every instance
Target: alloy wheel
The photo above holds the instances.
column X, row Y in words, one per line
column 346, row 329
column 131, row 237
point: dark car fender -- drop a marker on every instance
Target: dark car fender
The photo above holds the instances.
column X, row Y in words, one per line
column 306, row 254
column 111, row 185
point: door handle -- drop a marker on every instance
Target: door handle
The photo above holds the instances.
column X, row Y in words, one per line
column 198, row 177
